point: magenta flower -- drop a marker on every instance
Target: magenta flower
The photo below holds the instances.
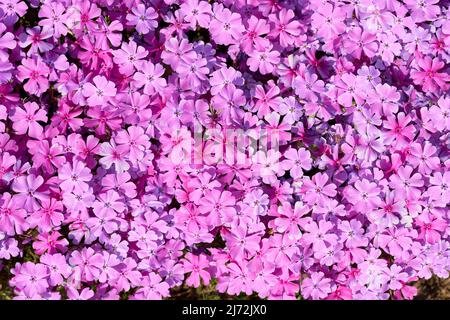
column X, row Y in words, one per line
column 278, row 149
column 242, row 244
column 428, row 75
column 254, row 34
column 290, row 221
column 50, row 242
column 430, row 227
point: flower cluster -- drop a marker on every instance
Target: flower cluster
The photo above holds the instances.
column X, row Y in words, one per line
column 103, row 195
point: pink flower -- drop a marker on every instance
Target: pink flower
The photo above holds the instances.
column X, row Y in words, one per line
column 196, row 12
column 12, row 216
column 316, row 287
column 267, row 165
column 50, row 242
column 308, row 86
column 37, row 72
column 440, row 114
column 28, row 194
column 217, row 206
column 297, row 161
column 99, row 92
column 318, row 189
column 396, row 241
column 389, row 47
column 328, row 20
column 364, row 195
column 108, row 205
column 113, row 154
column 400, row 130
column 385, row 97
column 150, row 78
column 242, row 244
column 263, row 59
column 87, row 262
column 13, row 9
column 31, row 278
column 348, row 90
column 226, row 27
column 267, row 100
column 197, row 266
column 36, row 38
column 423, row 10
column 49, row 215
column 84, row 294
column 253, row 35
column 176, row 51
column 74, row 176
column 289, row 221
column 286, row 29
column 57, row 267
column 7, row 39
column 430, row 227
column 54, row 18
column 26, row 119
column 405, row 182
column 359, row 41
column 319, row 234
column 440, row 187
column 422, row 156
column 193, row 73
column 136, row 140
column 341, row 293
column 129, row 57
column 224, row 78
column 144, row 19
column 428, row 75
